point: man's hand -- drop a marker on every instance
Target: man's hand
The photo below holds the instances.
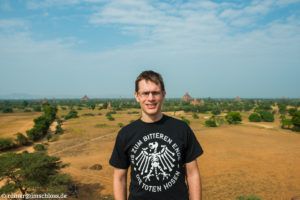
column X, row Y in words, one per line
column 120, row 184
column 194, row 180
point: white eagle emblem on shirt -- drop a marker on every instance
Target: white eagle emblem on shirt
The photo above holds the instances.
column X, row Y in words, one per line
column 159, row 162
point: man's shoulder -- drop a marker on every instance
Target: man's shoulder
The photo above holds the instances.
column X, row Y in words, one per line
column 175, row 122
column 130, row 127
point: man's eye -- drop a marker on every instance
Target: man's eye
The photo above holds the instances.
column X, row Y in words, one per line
column 145, row 93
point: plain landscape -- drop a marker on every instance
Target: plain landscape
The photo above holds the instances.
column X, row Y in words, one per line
column 246, row 158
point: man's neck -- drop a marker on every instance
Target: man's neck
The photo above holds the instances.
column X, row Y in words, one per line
column 151, row 118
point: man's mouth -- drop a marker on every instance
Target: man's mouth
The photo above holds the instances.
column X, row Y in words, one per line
column 151, row 106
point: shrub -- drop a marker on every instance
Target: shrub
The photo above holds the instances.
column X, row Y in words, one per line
column 88, row 114
column 185, row 120
column 296, row 121
column 63, row 108
column 27, row 110
column 110, row 118
column 133, row 112
column 267, row 116
column 34, row 134
column 254, row 117
column 39, row 147
column 6, row 143
column 111, row 112
column 71, row 114
column 233, row 117
column 59, row 130
column 292, row 111
column 250, row 197
column 210, row 123
column 219, row 121
column 37, row 109
column 195, row 116
column 7, row 110
column 216, row 111
column 286, row 123
column 120, row 125
column 48, row 137
column 21, row 139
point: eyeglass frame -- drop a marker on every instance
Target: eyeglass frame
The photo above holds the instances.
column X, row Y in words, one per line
column 146, row 94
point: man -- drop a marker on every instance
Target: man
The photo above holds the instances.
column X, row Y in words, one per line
column 161, row 150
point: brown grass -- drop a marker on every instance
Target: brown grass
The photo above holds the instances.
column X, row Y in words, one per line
column 11, row 123
column 242, row 159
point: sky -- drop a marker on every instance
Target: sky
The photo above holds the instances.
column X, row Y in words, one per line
column 218, row 49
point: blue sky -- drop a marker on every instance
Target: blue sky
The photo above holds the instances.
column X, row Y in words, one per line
column 70, row 48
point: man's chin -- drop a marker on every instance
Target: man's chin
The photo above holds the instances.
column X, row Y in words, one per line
column 151, row 112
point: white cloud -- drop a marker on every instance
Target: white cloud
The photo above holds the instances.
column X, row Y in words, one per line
column 4, row 5
column 13, row 24
column 36, row 4
column 197, row 36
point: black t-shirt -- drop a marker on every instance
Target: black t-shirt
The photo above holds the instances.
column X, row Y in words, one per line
column 157, row 153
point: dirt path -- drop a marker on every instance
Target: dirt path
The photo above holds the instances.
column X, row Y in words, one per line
column 258, row 124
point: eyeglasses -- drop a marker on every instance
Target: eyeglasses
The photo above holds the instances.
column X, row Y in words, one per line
column 146, row 94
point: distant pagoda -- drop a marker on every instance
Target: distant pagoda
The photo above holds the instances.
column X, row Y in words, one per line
column 109, row 106
column 202, row 102
column 238, row 99
column 194, row 102
column 186, row 97
column 44, row 101
column 85, row 98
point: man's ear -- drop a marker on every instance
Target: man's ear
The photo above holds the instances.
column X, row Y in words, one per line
column 136, row 97
column 164, row 94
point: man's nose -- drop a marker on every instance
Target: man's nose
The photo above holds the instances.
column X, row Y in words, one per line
column 151, row 96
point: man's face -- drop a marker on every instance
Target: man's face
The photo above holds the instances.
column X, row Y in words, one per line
column 150, row 97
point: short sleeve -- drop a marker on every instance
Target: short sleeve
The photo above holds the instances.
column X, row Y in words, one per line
column 192, row 147
column 119, row 158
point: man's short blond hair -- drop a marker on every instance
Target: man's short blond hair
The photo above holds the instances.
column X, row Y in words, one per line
column 150, row 76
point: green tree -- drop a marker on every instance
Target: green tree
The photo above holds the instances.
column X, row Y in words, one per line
column 59, row 129
column 42, row 123
column 282, row 108
column 32, row 173
column 93, row 106
column 25, row 103
column 21, row 139
column 6, row 143
column 292, row 111
column 267, row 116
column 210, row 123
column 195, row 116
column 254, row 117
column 7, row 110
column 233, row 117
column 216, row 111
column 296, row 121
column 37, row 109
column 71, row 114
column 286, row 123
column 39, row 147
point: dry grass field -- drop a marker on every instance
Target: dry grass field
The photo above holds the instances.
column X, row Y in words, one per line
column 251, row 158
column 11, row 123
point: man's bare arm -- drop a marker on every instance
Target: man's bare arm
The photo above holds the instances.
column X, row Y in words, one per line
column 120, row 184
column 194, row 180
